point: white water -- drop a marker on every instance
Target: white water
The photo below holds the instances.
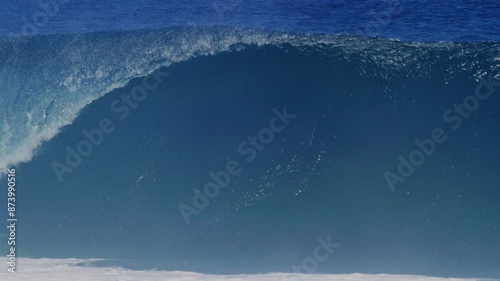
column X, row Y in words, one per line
column 65, row 269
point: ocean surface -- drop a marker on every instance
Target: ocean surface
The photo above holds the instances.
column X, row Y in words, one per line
column 224, row 137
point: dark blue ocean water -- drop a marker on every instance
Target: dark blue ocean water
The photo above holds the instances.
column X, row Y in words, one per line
column 368, row 82
column 421, row 20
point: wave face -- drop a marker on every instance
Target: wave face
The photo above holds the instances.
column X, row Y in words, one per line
column 358, row 104
column 49, row 79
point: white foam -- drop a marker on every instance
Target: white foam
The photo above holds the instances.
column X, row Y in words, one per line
column 66, row 269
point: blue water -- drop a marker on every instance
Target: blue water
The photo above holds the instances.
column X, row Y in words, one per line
column 364, row 79
column 420, row 20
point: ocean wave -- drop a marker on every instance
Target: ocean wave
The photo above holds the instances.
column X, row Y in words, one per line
column 46, row 81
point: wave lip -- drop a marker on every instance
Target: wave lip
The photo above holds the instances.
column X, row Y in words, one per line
column 72, row 269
